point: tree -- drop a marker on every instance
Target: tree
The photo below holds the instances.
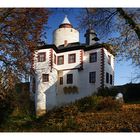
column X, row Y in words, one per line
column 120, row 25
column 20, row 29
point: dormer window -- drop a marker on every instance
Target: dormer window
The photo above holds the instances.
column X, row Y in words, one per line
column 41, row 57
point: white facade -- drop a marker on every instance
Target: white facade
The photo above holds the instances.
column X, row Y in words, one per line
column 52, row 93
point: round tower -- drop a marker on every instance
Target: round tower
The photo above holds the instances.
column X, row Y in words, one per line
column 65, row 34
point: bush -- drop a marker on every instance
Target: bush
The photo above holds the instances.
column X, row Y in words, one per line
column 15, row 104
column 87, row 103
column 6, row 107
column 105, row 92
column 23, row 106
column 108, row 104
column 98, row 103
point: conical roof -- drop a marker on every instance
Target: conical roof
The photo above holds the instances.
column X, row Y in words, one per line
column 66, row 23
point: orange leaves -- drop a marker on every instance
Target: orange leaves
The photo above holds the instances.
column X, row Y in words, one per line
column 20, row 30
column 70, row 119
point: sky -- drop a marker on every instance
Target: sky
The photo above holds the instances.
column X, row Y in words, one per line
column 124, row 71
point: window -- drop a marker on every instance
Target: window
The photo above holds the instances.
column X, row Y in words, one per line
column 41, row 57
column 54, row 59
column 33, row 85
column 45, row 77
column 110, row 79
column 93, row 57
column 69, row 78
column 92, row 77
column 60, row 60
column 107, row 77
column 72, row 58
column 109, row 59
column 61, row 81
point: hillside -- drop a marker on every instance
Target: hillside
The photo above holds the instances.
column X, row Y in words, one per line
column 90, row 114
column 77, row 118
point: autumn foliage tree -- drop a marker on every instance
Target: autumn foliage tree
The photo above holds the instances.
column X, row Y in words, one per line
column 20, row 30
column 121, row 26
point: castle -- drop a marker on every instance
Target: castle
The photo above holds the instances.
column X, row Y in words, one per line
column 67, row 70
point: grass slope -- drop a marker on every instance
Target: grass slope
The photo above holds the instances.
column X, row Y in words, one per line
column 70, row 119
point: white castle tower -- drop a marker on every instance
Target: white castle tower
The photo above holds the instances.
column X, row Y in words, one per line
column 65, row 34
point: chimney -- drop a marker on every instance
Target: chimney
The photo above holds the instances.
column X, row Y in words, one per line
column 65, row 43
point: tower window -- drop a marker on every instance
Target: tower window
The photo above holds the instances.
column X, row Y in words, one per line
column 45, row 77
column 72, row 58
column 110, row 79
column 61, row 81
column 93, row 57
column 107, row 77
column 92, row 77
column 69, row 78
column 41, row 57
column 60, row 60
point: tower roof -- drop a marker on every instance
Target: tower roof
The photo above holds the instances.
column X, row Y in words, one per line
column 66, row 23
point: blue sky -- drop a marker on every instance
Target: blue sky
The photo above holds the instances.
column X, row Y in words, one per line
column 124, row 71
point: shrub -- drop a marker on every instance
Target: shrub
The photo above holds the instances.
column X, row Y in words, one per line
column 87, row 103
column 105, row 92
column 23, row 105
column 6, row 107
column 108, row 104
column 98, row 103
column 70, row 124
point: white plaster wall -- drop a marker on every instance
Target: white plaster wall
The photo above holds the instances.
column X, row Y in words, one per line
column 40, row 97
column 108, row 67
column 46, row 91
column 63, row 98
column 41, row 65
column 51, row 90
column 50, row 94
column 80, row 79
column 62, row 34
column 45, row 97
column 32, row 94
column 86, row 87
column 67, row 65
